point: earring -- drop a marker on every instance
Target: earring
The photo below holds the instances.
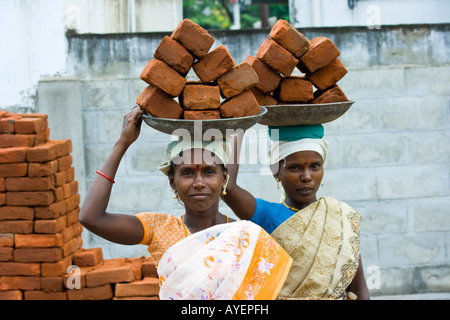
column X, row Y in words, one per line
column 278, row 183
column 175, row 196
column 224, row 192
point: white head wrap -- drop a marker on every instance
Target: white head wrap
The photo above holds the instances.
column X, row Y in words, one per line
column 281, row 149
column 220, row 148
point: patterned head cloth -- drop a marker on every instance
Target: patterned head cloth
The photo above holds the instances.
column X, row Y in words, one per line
column 221, row 149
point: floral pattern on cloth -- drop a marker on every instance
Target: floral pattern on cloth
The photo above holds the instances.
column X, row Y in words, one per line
column 238, row 261
column 323, row 241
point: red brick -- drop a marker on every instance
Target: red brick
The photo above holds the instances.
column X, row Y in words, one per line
column 159, row 104
column 88, row 257
column 263, row 99
column 13, row 155
column 16, row 213
column 38, row 255
column 71, row 231
column 65, row 162
column 159, row 74
column 38, row 198
column 289, row 38
column 7, row 124
column 58, row 194
column 52, row 284
column 201, row 114
column 174, row 54
column 49, row 150
column 328, row 76
column 72, row 216
column 11, row 295
column 56, row 269
column 6, row 254
column 17, row 140
column 2, row 184
column 6, row 240
column 145, row 287
column 72, row 246
column 20, row 283
column 20, row 269
column 277, row 57
column 52, row 211
column 149, row 269
column 38, row 240
column 50, row 226
column 269, row 79
column 2, row 199
column 25, row 226
column 60, row 178
column 242, row 105
column 322, row 51
column 30, row 184
column 193, row 37
column 41, row 295
column 111, row 271
column 37, row 169
column 13, row 170
column 197, row 96
column 97, row 293
column 240, row 78
column 214, row 64
column 30, row 125
column 295, row 89
column 334, row 94
column 70, row 174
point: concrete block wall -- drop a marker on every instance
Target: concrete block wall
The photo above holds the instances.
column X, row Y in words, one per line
column 388, row 157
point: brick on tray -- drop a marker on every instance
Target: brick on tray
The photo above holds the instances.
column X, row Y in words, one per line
column 328, row 76
column 243, row 105
column 159, row 74
column 295, row 89
column 214, row 64
column 322, row 51
column 269, row 79
column 277, row 57
column 240, row 78
column 175, row 55
column 159, row 104
column 289, row 38
column 333, row 94
column 193, row 37
column 263, row 99
column 198, row 96
column 201, row 114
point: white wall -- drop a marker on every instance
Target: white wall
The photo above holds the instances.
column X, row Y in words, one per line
column 318, row 13
column 33, row 45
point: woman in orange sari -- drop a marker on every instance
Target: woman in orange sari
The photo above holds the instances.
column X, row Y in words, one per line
column 201, row 255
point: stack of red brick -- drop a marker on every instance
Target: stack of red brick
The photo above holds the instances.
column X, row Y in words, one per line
column 40, row 234
column 223, row 91
column 284, row 50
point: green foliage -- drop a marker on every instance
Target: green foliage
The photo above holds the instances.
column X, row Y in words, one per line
column 216, row 14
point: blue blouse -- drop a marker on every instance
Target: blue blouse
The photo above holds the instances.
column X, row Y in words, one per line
column 269, row 215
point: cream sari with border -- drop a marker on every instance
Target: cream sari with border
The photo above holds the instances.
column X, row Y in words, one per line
column 323, row 241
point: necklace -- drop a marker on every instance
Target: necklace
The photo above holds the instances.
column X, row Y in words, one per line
column 289, row 207
column 184, row 226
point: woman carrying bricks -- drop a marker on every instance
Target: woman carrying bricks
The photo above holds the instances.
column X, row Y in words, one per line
column 321, row 235
column 201, row 255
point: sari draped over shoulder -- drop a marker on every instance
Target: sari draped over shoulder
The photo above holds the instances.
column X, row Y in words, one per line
column 234, row 261
column 323, row 241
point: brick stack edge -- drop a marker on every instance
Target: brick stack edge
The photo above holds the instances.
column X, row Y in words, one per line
column 40, row 235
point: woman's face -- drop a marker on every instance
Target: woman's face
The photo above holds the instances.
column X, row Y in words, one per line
column 198, row 179
column 301, row 175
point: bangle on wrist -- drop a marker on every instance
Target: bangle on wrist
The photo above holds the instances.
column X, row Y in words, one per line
column 105, row 176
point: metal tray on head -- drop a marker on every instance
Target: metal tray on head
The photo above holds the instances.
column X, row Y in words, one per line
column 196, row 127
column 304, row 114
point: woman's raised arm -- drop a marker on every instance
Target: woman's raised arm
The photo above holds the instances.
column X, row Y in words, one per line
column 119, row 228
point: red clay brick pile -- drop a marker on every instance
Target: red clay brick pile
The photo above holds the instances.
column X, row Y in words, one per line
column 40, row 235
column 284, row 50
column 223, row 89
